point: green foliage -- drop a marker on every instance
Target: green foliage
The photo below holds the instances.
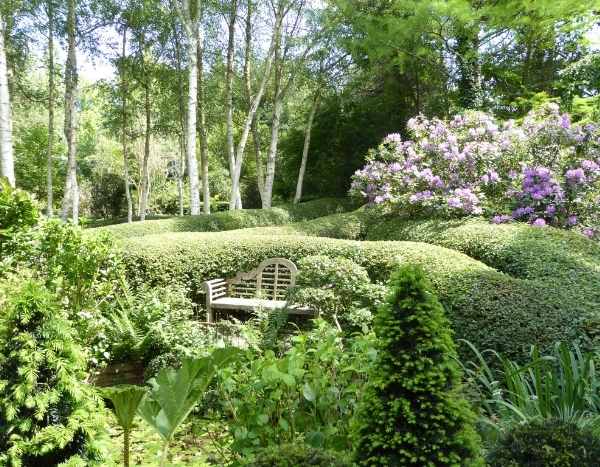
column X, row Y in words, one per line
column 555, row 278
column 412, row 412
column 125, row 401
column 294, row 455
column 17, row 211
column 548, row 443
column 307, row 394
column 486, row 306
column 48, row 414
column 174, row 393
column 562, row 386
column 335, row 288
column 239, row 219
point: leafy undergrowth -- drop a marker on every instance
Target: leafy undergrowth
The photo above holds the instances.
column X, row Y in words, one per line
column 193, row 447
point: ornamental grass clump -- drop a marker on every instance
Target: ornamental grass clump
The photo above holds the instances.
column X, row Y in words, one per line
column 48, row 414
column 544, row 171
column 412, row 413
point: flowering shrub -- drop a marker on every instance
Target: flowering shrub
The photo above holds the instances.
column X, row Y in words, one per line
column 545, row 171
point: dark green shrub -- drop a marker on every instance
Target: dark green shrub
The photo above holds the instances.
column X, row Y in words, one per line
column 487, row 307
column 48, row 414
column 296, row 454
column 412, row 413
column 232, row 220
column 547, row 443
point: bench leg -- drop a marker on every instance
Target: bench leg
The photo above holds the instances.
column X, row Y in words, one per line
column 210, row 315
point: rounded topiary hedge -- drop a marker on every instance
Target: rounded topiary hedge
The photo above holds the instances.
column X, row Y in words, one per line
column 548, row 443
column 487, row 307
column 231, row 220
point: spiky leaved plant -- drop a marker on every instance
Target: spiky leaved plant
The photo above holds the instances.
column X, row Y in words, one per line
column 412, row 414
column 48, row 414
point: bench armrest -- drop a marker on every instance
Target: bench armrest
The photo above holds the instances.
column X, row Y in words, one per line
column 214, row 288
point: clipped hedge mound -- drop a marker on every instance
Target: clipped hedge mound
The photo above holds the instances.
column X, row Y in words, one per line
column 232, row 220
column 490, row 308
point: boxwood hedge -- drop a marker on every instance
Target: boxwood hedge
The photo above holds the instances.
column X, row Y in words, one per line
column 490, row 308
column 244, row 218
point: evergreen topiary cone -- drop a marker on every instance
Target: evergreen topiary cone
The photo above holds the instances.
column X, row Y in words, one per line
column 48, row 414
column 412, row 413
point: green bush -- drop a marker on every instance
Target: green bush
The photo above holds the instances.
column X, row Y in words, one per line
column 232, row 220
column 411, row 412
column 557, row 270
column 547, row 443
column 338, row 289
column 307, row 394
column 487, row 307
column 17, row 211
column 48, row 414
column 295, row 455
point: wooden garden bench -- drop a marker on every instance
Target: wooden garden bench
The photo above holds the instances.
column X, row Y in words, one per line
column 262, row 288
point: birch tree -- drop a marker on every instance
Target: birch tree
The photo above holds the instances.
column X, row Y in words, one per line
column 306, row 146
column 260, row 176
column 229, row 97
column 51, row 92
column 189, row 17
column 256, row 100
column 71, row 196
column 282, row 85
column 7, row 168
column 202, row 121
column 125, row 124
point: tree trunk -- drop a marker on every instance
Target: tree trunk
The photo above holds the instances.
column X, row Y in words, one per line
column 191, row 125
column 239, row 159
column 182, row 124
column 49, row 184
column 202, row 125
column 124, row 129
column 307, row 135
column 180, row 170
column 7, row 168
column 470, row 92
column 275, row 123
column 145, row 185
column 260, row 176
column 71, row 196
column 229, row 103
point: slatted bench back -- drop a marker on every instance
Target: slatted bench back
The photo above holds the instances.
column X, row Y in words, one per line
column 270, row 280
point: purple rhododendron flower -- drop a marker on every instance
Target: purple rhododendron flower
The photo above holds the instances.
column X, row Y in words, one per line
column 539, row 222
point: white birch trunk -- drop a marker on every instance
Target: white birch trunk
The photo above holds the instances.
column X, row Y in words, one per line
column 7, row 168
column 145, row 183
column 239, row 159
column 307, row 135
column 229, row 103
column 191, row 29
column 51, row 86
column 260, row 176
column 202, row 124
column 71, row 196
column 124, row 130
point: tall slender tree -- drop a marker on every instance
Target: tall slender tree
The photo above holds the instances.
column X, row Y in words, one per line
column 71, row 196
column 202, row 118
column 7, row 168
column 125, row 122
column 51, row 93
column 189, row 18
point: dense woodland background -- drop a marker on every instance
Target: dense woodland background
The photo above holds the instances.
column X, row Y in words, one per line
column 221, row 99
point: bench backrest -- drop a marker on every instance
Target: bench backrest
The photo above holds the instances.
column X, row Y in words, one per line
column 270, row 280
